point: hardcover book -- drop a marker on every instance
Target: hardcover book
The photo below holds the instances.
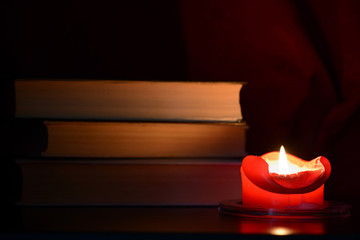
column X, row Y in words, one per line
column 128, row 100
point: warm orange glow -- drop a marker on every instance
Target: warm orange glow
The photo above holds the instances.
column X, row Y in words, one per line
column 293, row 172
column 278, row 179
column 281, row 231
column 280, row 228
column 287, row 164
column 283, row 162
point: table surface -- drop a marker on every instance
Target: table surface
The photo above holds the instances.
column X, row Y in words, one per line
column 178, row 221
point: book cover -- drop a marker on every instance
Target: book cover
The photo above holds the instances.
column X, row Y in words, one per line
column 128, row 100
column 128, row 139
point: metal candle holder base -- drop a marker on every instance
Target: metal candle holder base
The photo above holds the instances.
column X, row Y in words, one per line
column 330, row 209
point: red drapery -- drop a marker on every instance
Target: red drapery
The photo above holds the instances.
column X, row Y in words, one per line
column 301, row 62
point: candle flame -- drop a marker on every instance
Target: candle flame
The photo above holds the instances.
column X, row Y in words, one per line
column 282, row 165
column 292, row 172
column 283, row 162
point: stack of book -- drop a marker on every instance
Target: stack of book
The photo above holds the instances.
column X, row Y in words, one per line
column 106, row 142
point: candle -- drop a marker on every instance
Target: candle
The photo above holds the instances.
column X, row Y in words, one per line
column 281, row 180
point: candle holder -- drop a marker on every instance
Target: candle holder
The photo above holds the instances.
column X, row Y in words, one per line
column 281, row 185
column 329, row 209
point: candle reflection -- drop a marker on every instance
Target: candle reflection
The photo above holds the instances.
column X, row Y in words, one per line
column 280, row 231
column 280, row 227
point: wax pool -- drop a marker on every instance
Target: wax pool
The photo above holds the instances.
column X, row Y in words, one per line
column 269, row 182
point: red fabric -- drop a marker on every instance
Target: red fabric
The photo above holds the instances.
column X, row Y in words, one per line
column 301, row 62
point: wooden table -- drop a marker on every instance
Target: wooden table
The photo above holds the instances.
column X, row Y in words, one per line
column 163, row 223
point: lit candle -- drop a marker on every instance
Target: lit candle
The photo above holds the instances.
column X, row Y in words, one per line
column 281, row 180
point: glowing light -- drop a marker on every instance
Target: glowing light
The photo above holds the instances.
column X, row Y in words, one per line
column 283, row 162
column 280, row 180
column 286, row 164
column 281, row 231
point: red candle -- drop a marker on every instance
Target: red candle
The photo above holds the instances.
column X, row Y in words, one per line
column 281, row 180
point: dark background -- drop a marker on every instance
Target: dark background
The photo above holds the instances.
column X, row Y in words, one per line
column 300, row 59
column 96, row 39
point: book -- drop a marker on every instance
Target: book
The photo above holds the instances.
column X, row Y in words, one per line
column 162, row 182
column 128, row 143
column 127, row 100
column 132, row 139
column 144, row 139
